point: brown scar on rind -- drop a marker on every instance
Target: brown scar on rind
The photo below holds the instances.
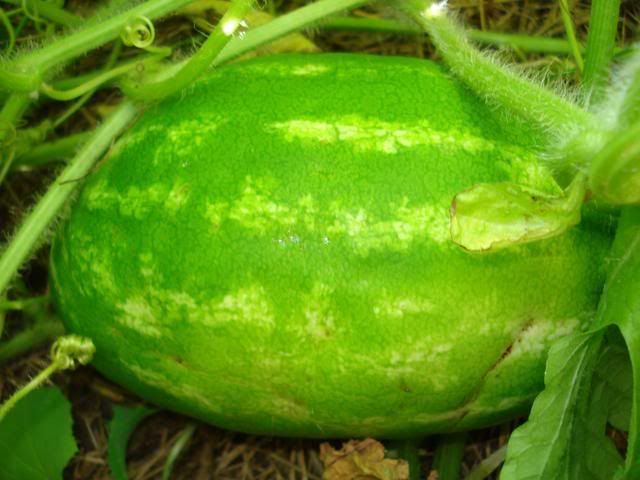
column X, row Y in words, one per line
column 504, row 355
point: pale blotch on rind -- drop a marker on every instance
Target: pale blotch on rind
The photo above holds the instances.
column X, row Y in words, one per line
column 275, row 69
column 406, row 226
column 309, row 70
column 134, row 137
column 215, row 213
column 378, row 135
column 255, row 211
column 177, row 197
column 148, row 268
column 318, row 312
column 249, row 305
column 308, row 212
column 153, row 310
column 100, row 196
column 177, row 389
column 283, row 407
column 431, row 418
column 398, row 307
column 94, row 263
column 138, row 202
column 180, row 137
column 537, row 337
column 137, row 314
column 422, row 354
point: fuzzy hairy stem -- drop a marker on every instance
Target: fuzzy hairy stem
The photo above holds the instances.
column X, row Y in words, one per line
column 66, row 353
column 100, row 79
column 603, row 25
column 27, row 72
column 28, row 388
column 32, row 228
column 275, row 29
column 49, row 152
column 199, row 62
column 12, row 111
column 629, row 105
column 51, row 12
column 285, row 24
column 497, row 84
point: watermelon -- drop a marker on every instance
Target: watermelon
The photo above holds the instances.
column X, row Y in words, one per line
column 270, row 252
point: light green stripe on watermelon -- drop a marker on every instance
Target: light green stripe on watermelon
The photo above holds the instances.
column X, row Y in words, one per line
column 270, row 252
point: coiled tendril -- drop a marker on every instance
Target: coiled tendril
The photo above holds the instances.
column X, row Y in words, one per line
column 139, row 33
column 70, row 350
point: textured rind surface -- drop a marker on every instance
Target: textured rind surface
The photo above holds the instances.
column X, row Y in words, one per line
column 270, row 253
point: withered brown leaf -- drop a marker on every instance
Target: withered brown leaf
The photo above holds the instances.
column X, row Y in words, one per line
column 361, row 460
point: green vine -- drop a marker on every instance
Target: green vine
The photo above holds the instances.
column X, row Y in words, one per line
column 66, row 353
column 50, row 204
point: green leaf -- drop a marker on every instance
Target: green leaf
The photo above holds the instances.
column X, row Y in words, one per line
column 564, row 437
column 614, row 372
column 620, row 305
column 490, row 216
column 36, row 439
column 124, row 422
column 615, row 171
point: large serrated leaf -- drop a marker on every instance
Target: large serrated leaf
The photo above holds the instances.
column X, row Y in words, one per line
column 124, row 422
column 36, row 439
column 620, row 305
column 614, row 371
column 564, row 438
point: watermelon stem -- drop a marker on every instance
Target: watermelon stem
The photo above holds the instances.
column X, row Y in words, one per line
column 25, row 73
column 448, row 457
column 408, row 450
column 103, row 77
column 527, row 43
column 573, row 134
column 51, row 12
column 231, row 21
column 603, row 25
column 49, row 152
column 497, row 83
column 46, row 210
column 26, row 389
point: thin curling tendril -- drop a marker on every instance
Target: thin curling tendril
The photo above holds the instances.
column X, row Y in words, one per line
column 139, row 33
column 69, row 351
column 66, row 353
